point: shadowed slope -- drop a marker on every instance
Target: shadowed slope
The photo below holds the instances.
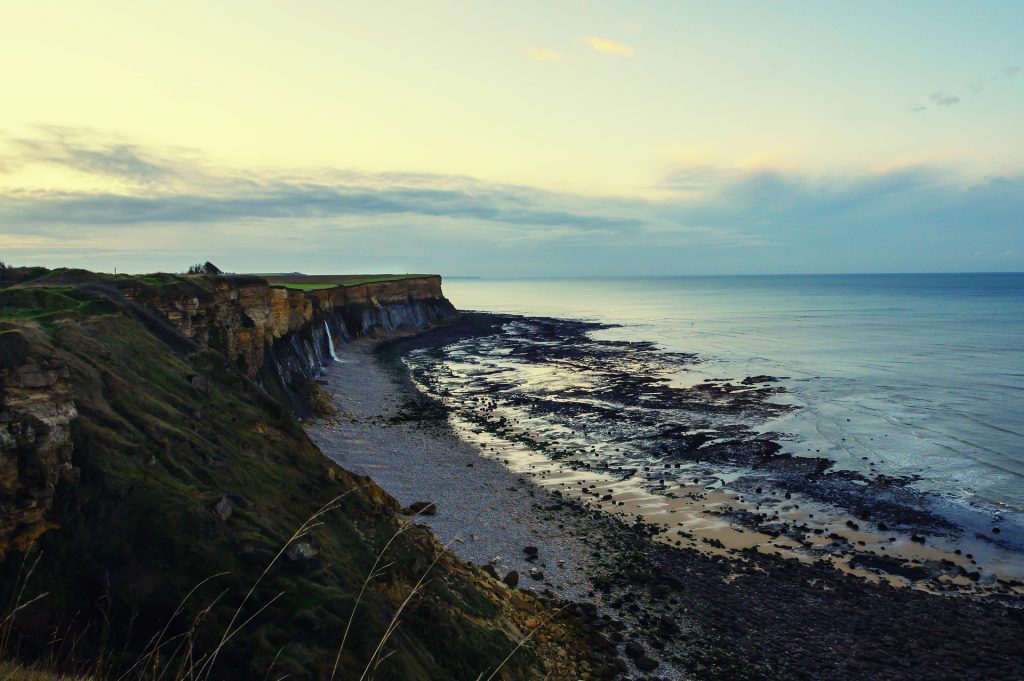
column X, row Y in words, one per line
column 183, row 470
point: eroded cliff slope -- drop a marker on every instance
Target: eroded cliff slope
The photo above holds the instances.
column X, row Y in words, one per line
column 151, row 491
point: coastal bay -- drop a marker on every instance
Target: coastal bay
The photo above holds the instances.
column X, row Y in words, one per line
column 741, row 613
column 512, row 341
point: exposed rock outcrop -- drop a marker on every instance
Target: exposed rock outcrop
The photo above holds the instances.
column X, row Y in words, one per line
column 280, row 337
column 36, row 409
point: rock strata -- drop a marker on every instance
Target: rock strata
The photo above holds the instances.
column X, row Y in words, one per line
column 36, row 410
column 279, row 337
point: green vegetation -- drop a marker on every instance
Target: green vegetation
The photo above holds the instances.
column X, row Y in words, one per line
column 62, row 280
column 45, row 304
column 307, row 287
column 13, row 672
column 9, row 276
column 354, row 281
column 48, row 296
column 155, row 279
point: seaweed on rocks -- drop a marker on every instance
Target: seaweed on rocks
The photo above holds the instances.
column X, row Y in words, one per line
column 752, row 615
column 623, row 393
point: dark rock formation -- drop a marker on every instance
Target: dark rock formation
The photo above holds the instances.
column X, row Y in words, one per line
column 36, row 410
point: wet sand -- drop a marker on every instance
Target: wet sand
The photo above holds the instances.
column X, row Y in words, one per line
column 700, row 516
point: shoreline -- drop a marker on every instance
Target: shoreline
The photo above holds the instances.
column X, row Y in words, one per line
column 693, row 460
column 748, row 615
column 485, row 513
column 375, row 433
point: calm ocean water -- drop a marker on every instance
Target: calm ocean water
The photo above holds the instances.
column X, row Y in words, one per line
column 924, row 373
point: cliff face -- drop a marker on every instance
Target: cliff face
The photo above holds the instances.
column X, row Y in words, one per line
column 339, row 315
column 282, row 338
column 245, row 317
column 388, row 306
column 36, row 409
column 238, row 317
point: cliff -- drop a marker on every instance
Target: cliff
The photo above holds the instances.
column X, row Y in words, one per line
column 280, row 337
column 35, row 437
column 243, row 317
column 157, row 498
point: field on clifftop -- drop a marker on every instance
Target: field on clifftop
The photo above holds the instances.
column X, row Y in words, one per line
column 314, row 282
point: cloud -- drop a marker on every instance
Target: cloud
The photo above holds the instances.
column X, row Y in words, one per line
column 918, row 108
column 692, row 178
column 543, row 54
column 943, row 98
column 978, row 86
column 286, row 201
column 631, row 27
column 706, row 219
column 208, row 195
column 609, row 46
column 78, row 150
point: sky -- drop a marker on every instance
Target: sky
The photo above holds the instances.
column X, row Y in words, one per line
column 527, row 138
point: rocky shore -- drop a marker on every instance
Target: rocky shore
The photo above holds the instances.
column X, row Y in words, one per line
column 151, row 453
column 655, row 609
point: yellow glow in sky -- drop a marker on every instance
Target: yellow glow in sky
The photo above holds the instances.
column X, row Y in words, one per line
column 513, row 137
column 516, row 92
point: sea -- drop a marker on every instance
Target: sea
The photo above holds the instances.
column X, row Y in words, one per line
column 922, row 375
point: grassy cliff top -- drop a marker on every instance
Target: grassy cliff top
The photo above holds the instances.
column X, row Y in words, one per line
column 46, row 296
column 315, row 282
column 64, row 282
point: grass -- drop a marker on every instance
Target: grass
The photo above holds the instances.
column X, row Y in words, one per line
column 46, row 304
column 155, row 279
column 178, row 654
column 15, row 672
column 357, row 281
column 307, row 287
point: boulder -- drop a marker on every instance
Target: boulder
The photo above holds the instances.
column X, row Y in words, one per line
column 224, row 507
column 301, row 551
column 420, row 508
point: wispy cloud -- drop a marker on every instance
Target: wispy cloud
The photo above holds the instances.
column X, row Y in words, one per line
column 205, row 194
column 977, row 86
column 78, row 150
column 943, row 98
column 288, row 201
column 609, row 46
column 708, row 218
column 543, row 54
column 693, row 178
column 631, row 27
